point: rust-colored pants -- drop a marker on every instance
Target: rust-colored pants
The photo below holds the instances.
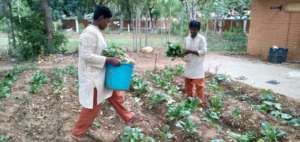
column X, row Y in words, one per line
column 87, row 116
column 190, row 84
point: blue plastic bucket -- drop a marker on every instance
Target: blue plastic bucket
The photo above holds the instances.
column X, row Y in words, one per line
column 118, row 78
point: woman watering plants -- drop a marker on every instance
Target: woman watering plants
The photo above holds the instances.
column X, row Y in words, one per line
column 91, row 70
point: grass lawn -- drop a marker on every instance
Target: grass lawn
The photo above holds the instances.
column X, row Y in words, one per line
column 215, row 41
column 125, row 40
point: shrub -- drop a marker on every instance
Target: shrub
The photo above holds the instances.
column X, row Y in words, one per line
column 31, row 37
column 236, row 40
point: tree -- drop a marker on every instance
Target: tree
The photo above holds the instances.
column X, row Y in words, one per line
column 48, row 23
column 9, row 14
column 32, row 25
column 238, row 6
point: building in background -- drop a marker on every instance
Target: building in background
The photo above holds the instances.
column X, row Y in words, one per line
column 275, row 22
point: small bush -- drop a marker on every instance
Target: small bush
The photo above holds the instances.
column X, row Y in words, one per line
column 135, row 135
column 236, row 40
column 4, row 24
column 31, row 38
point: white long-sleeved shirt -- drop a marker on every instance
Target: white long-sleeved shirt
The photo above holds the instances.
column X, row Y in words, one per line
column 194, row 68
column 91, row 67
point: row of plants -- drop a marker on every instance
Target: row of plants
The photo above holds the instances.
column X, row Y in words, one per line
column 165, row 79
column 10, row 78
column 267, row 132
column 178, row 114
column 268, row 104
column 38, row 79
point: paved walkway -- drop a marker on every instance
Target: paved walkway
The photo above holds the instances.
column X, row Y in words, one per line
column 258, row 73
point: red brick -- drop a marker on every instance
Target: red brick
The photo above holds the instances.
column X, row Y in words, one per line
column 273, row 27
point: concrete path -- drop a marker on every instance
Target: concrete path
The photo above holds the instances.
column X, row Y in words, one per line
column 257, row 73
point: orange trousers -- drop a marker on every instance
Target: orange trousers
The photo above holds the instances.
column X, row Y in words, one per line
column 199, row 84
column 87, row 116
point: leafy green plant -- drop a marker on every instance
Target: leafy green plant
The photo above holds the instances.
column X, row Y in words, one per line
column 221, row 77
column 177, row 111
column 236, row 113
column 4, row 138
column 173, row 89
column 169, row 72
column 71, row 70
column 140, row 86
column 183, row 109
column 32, row 40
column 271, row 133
column 187, row 125
column 165, row 79
column 214, row 86
column 268, row 106
column 211, row 115
column 294, row 122
column 135, row 135
column 115, row 51
column 216, row 102
column 164, row 82
column 191, row 104
column 179, row 70
column 266, row 95
column 247, row 137
column 9, row 79
column 158, row 97
column 165, row 133
column 58, row 80
column 280, row 115
column 174, row 50
column 236, row 41
column 38, row 79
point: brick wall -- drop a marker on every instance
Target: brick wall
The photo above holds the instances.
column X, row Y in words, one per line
column 274, row 27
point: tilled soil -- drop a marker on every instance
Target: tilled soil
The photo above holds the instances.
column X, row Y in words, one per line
column 47, row 117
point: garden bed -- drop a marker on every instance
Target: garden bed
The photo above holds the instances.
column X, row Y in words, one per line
column 45, row 108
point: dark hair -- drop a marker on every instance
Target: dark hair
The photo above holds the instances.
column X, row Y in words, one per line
column 195, row 24
column 102, row 11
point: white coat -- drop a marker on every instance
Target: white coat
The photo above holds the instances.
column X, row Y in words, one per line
column 194, row 64
column 91, row 67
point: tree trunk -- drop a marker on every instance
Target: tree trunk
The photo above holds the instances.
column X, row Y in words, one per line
column 151, row 18
column 9, row 14
column 207, row 26
column 146, row 31
column 121, row 23
column 133, row 35
column 48, row 25
column 136, row 31
column 140, row 30
column 187, row 8
column 231, row 25
column 169, row 27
